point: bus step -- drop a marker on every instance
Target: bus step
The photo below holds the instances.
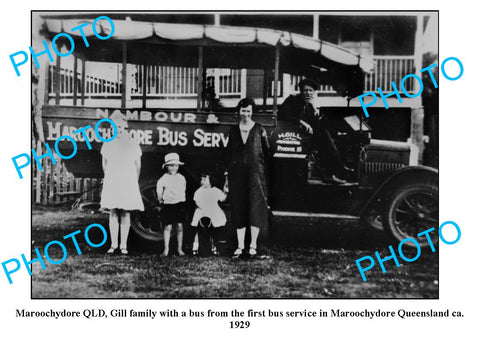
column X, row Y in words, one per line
column 318, row 181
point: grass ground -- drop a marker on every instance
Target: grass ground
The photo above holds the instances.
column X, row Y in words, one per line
column 318, row 266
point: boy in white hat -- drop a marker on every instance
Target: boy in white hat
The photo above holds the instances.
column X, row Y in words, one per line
column 171, row 189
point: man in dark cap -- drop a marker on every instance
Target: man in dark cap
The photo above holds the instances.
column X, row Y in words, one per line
column 301, row 109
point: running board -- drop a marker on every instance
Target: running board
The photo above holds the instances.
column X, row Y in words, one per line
column 313, row 181
column 281, row 213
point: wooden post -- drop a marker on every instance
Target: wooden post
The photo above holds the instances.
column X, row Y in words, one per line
column 265, row 89
column 124, row 74
column 417, row 113
column 315, row 26
column 275, row 79
column 46, row 92
column 82, row 188
column 216, row 83
column 57, row 80
column 204, row 86
column 44, row 187
column 82, row 90
column 200, row 78
column 51, row 190
column 71, row 183
column 418, row 53
column 75, row 75
column 144, row 86
column 243, row 83
column 58, row 170
column 38, row 176
column 286, row 88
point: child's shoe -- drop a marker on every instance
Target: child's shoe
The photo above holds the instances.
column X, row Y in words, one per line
column 237, row 253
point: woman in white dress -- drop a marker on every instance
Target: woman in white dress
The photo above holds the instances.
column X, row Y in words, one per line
column 121, row 192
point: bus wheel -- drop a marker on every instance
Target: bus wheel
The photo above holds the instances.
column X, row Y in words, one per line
column 412, row 208
column 147, row 223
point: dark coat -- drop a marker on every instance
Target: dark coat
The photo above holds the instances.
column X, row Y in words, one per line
column 295, row 109
column 247, row 169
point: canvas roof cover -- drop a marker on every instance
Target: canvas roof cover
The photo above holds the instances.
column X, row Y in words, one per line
column 223, row 46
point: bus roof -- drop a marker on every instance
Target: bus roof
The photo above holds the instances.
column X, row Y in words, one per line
column 168, row 44
column 228, row 40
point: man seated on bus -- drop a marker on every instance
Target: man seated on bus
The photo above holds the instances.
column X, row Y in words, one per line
column 301, row 109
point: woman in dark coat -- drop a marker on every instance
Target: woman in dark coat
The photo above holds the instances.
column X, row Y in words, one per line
column 247, row 155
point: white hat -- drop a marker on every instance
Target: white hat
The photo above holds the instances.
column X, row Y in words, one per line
column 172, row 158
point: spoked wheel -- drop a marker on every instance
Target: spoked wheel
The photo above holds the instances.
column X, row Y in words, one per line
column 147, row 223
column 412, row 209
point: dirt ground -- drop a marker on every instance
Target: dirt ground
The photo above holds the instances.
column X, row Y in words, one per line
column 302, row 261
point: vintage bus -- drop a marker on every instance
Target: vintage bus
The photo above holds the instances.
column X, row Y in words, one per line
column 164, row 71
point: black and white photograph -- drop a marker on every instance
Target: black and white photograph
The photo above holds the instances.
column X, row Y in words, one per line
column 234, row 154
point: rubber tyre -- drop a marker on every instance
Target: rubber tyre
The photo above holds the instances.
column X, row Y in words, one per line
column 147, row 224
column 411, row 209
